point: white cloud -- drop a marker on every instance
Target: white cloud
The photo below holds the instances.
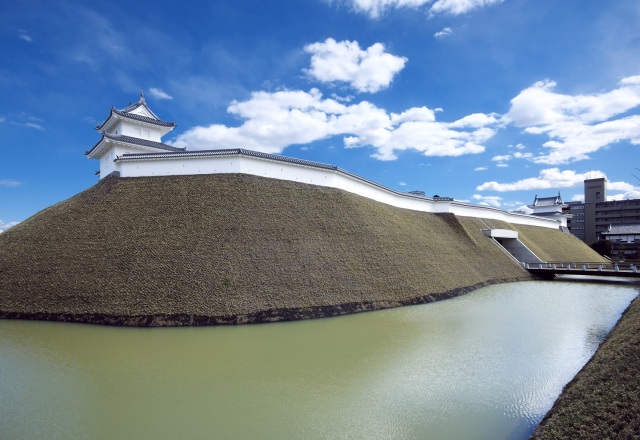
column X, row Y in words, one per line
column 620, row 186
column 402, row 183
column 577, row 125
column 503, row 159
column 24, row 36
column 635, row 194
column 488, row 200
column 550, row 178
column 9, row 183
column 577, row 198
column 480, row 169
column 159, row 94
column 519, row 155
column 629, row 191
column 458, row 7
column 34, row 126
column 6, row 225
column 367, row 70
column 273, row 121
column 553, row 178
column 443, row 33
column 377, row 8
column 523, row 208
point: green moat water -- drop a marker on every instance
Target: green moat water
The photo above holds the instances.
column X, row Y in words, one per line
column 487, row 365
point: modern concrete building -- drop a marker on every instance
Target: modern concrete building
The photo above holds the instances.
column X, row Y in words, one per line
column 593, row 217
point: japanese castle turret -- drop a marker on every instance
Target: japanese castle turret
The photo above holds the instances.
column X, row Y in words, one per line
column 550, row 207
column 132, row 130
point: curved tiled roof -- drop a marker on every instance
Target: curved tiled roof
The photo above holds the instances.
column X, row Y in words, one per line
column 630, row 229
column 547, row 201
column 226, row 152
column 143, row 118
column 135, row 141
column 125, row 114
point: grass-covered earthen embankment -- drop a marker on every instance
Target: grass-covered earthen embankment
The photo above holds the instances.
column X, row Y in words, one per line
column 603, row 400
column 215, row 249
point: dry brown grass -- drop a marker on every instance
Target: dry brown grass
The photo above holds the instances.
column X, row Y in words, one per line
column 239, row 248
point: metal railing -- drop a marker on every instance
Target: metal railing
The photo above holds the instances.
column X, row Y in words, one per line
column 564, row 266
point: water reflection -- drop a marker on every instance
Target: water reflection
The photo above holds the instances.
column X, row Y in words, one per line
column 485, row 365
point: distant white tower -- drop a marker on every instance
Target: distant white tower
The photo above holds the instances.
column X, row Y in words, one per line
column 132, row 130
column 550, row 207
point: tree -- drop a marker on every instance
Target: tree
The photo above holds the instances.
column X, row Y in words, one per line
column 603, row 247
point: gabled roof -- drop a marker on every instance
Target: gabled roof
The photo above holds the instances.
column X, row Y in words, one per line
column 547, row 201
column 127, row 113
column 134, row 141
column 633, row 229
column 148, row 120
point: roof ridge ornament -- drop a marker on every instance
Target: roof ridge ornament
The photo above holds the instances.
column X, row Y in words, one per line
column 142, row 96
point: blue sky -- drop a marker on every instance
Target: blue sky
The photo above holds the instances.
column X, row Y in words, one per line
column 488, row 101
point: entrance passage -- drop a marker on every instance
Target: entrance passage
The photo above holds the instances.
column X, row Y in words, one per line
column 508, row 239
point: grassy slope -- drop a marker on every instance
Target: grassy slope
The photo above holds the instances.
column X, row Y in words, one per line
column 227, row 245
column 603, row 400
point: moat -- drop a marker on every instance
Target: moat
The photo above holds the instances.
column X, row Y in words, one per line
column 485, row 365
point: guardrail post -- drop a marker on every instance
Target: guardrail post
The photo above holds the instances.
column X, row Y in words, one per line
column 600, row 267
column 616, row 268
column 634, row 268
column 584, row 267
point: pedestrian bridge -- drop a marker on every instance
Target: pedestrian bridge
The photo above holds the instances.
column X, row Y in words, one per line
column 548, row 270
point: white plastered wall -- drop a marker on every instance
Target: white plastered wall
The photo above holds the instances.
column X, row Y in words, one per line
column 315, row 176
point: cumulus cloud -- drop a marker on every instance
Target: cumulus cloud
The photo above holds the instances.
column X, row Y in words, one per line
column 443, row 33
column 553, row 178
column 6, row 225
column 577, row 125
column 367, row 70
column 628, row 195
column 159, row 94
column 376, row 8
column 488, row 200
column 273, row 121
column 547, row 179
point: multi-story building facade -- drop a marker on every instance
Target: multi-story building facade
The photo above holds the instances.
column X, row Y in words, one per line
column 593, row 217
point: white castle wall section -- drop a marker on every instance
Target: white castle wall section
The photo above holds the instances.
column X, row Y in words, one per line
column 547, row 209
column 275, row 169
